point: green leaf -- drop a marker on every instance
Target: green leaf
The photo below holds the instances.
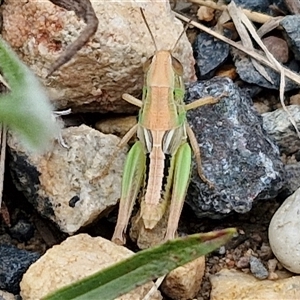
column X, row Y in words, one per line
column 25, row 108
column 142, row 267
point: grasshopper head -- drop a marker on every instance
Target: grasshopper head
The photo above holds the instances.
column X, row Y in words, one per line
column 161, row 57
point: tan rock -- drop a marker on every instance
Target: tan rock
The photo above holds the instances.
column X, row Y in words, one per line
column 205, row 13
column 109, row 64
column 63, row 184
column 235, row 285
column 185, row 282
column 74, row 259
column 117, row 126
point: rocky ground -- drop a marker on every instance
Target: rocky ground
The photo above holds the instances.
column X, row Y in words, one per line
column 254, row 164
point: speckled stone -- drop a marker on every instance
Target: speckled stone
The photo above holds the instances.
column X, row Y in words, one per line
column 238, row 157
column 209, row 54
column 13, row 264
column 63, row 184
column 109, row 64
column 290, row 25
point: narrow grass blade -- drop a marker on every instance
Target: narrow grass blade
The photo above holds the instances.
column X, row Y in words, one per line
column 142, row 267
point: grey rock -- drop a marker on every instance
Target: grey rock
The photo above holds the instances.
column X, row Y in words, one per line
column 209, row 54
column 248, row 73
column 291, row 26
column 257, row 268
column 293, row 177
column 238, row 157
column 13, row 264
column 280, row 128
column 22, row 231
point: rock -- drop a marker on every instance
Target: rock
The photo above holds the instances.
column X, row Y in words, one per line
column 209, row 54
column 248, row 73
column 111, row 62
column 280, row 128
column 117, row 126
column 13, row 264
column 295, row 99
column 62, row 184
column 184, row 282
column 257, row 268
column 238, row 157
column 205, row 13
column 293, row 177
column 235, row 285
column 284, row 233
column 6, row 296
column 290, row 25
column 22, row 230
column 278, row 47
column 75, row 258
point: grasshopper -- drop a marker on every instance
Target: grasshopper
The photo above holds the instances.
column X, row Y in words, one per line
column 158, row 165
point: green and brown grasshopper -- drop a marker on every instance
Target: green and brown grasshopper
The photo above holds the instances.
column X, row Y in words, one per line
column 158, row 165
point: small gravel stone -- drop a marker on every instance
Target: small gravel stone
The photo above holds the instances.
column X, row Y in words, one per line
column 258, row 269
column 22, row 231
column 13, row 264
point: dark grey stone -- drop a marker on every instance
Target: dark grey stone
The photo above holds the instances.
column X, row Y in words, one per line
column 13, row 264
column 257, row 268
column 22, row 231
column 291, row 26
column 22, row 171
column 209, row 53
column 238, row 157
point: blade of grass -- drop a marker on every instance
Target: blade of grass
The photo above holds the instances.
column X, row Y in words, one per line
column 142, row 267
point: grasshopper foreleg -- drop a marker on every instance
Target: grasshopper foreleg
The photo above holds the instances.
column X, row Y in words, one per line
column 120, row 145
column 203, row 101
column 132, row 100
column 133, row 175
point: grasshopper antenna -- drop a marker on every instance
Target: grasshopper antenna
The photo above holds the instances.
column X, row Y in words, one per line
column 152, row 36
column 181, row 34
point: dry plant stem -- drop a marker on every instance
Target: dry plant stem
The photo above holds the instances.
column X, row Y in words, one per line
column 253, row 16
column 288, row 73
column 269, row 26
column 84, row 10
column 243, row 18
column 236, row 15
column 2, row 157
column 156, row 285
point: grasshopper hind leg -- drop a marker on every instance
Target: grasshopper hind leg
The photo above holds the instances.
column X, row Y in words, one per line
column 196, row 150
column 182, row 170
column 131, row 183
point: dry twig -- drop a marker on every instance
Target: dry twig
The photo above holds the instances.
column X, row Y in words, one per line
column 84, row 10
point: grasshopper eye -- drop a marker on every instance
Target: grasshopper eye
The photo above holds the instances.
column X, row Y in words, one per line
column 147, row 64
column 177, row 66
